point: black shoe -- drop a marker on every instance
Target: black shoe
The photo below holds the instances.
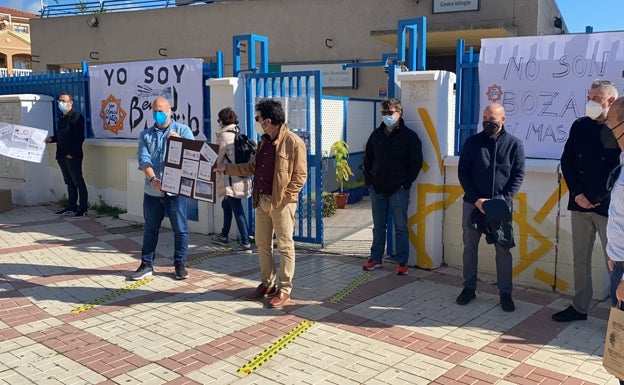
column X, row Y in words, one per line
column 142, row 272
column 80, row 213
column 64, row 212
column 569, row 314
column 465, row 296
column 180, row 271
column 507, row 303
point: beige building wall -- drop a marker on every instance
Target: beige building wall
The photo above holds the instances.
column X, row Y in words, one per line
column 360, row 30
column 15, row 57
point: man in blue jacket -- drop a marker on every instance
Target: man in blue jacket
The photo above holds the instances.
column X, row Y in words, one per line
column 152, row 152
column 392, row 161
column 586, row 166
column 491, row 166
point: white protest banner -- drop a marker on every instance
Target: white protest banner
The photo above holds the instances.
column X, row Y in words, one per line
column 22, row 142
column 122, row 94
column 542, row 81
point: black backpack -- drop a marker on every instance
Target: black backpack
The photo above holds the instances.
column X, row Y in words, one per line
column 244, row 147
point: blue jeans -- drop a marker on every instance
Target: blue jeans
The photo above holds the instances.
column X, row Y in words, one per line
column 396, row 204
column 154, row 209
column 76, row 187
column 234, row 206
column 471, row 238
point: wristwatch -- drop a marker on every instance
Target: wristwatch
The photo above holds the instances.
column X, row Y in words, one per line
column 152, row 178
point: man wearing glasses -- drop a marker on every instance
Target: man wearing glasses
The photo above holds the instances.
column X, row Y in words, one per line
column 392, row 160
column 69, row 137
column 280, row 170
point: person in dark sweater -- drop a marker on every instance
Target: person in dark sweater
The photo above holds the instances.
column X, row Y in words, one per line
column 586, row 166
column 69, row 137
column 392, row 161
column 491, row 166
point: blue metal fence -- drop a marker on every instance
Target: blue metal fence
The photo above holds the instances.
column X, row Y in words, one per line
column 53, row 84
column 466, row 95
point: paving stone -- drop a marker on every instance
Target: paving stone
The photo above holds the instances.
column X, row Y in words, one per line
column 386, row 329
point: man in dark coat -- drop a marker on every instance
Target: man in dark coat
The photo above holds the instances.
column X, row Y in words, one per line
column 586, row 166
column 69, row 137
column 392, row 161
column 491, row 166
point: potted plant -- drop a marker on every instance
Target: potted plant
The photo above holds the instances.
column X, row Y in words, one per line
column 340, row 149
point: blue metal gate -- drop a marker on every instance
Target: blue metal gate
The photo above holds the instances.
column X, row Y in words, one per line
column 467, row 94
column 300, row 95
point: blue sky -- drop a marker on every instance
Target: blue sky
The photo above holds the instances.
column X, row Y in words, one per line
column 602, row 15
column 25, row 5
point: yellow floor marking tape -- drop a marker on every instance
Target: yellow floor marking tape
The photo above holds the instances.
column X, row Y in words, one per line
column 110, row 296
column 136, row 284
column 351, row 287
column 208, row 256
column 269, row 352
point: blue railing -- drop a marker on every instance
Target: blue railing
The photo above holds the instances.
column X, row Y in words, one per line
column 104, row 6
column 466, row 94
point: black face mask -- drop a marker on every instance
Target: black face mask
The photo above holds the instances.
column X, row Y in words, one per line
column 490, row 127
column 607, row 136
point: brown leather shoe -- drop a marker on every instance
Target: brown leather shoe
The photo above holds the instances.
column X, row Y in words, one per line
column 260, row 292
column 279, row 299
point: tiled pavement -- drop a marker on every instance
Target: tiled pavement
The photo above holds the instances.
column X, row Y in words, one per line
column 69, row 316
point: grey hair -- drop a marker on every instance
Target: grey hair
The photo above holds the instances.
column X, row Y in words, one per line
column 606, row 85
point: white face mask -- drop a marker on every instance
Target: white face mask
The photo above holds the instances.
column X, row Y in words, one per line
column 258, row 128
column 594, row 110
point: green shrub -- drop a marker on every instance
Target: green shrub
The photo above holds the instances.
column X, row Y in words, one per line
column 328, row 204
column 101, row 207
column 104, row 208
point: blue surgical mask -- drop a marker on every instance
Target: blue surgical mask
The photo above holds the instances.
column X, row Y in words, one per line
column 160, row 117
column 389, row 120
column 62, row 106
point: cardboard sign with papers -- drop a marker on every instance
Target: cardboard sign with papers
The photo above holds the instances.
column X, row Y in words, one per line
column 188, row 168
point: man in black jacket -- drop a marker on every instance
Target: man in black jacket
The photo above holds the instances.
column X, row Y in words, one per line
column 491, row 166
column 69, row 138
column 392, row 161
column 586, row 166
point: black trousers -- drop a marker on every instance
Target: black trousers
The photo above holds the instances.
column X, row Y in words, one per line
column 76, row 187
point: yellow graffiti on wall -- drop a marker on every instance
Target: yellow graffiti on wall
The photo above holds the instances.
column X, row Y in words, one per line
column 527, row 228
column 433, row 137
column 423, row 210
